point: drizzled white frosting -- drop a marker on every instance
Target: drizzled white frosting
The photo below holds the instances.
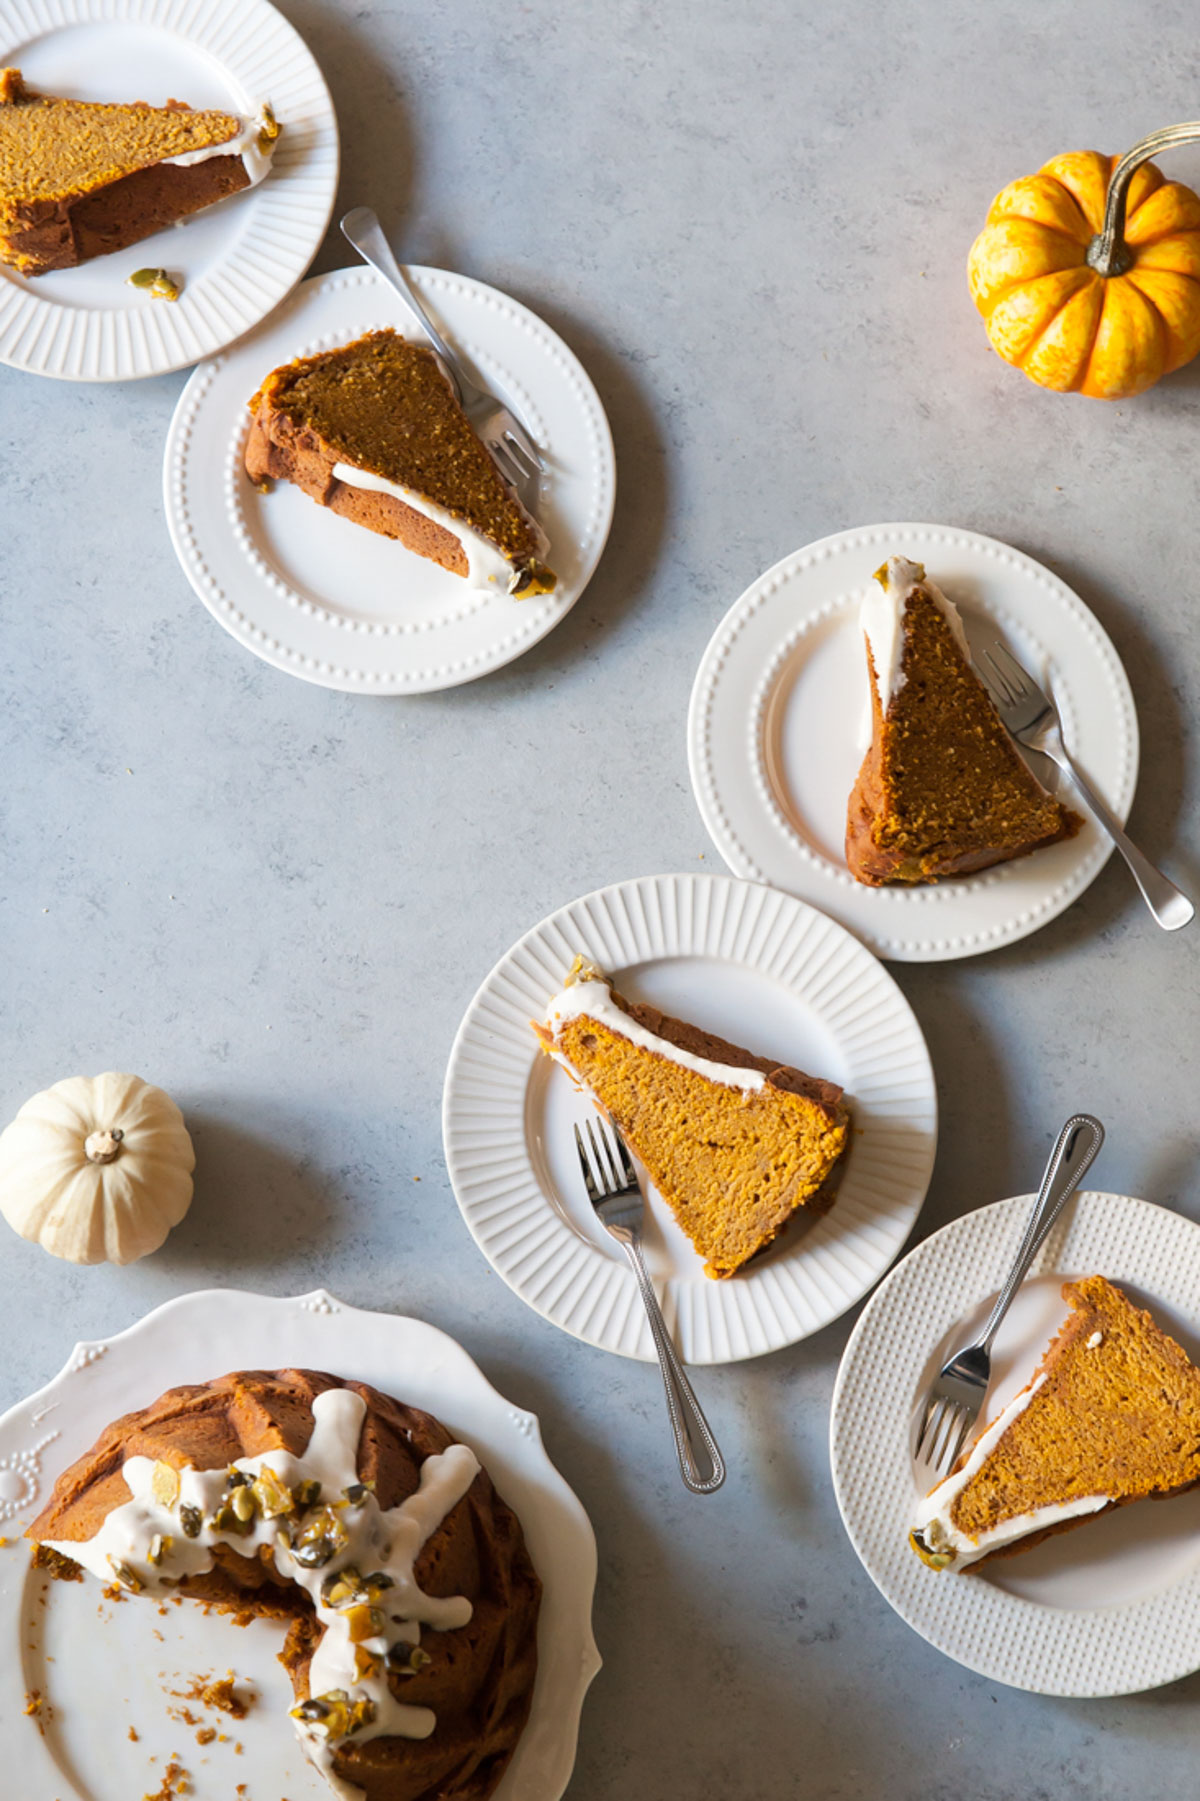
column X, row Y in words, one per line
column 256, row 156
column 937, row 1529
column 486, row 563
column 377, row 1541
column 882, row 620
column 593, row 998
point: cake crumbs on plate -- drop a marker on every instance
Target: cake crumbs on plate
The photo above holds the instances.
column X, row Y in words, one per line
column 222, row 1694
column 175, row 1782
column 134, row 1735
column 206, row 1735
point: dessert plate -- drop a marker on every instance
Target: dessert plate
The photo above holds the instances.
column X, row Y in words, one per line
column 106, row 1686
column 238, row 259
column 330, row 601
column 760, row 969
column 780, row 719
column 1104, row 1610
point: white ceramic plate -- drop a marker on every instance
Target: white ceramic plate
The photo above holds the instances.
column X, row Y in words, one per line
column 327, row 600
column 102, row 1668
column 779, row 721
column 1104, row 1610
column 760, row 969
column 238, row 259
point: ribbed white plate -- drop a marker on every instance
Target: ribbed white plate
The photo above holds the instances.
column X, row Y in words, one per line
column 760, row 969
column 236, row 260
column 325, row 599
column 779, row 720
column 102, row 1667
column 1109, row 1608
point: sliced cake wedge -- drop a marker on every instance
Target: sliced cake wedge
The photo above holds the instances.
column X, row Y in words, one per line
column 1111, row 1416
column 943, row 790
column 735, row 1143
column 374, row 431
column 81, row 178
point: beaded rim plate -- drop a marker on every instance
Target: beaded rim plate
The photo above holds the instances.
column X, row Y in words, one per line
column 326, row 600
column 760, row 969
column 93, row 1668
column 1107, row 1609
column 236, row 260
column 779, row 721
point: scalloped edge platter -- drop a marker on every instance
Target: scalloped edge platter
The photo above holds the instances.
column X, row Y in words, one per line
column 761, row 969
column 1109, row 1609
column 236, row 260
column 101, row 1667
column 327, row 600
column 779, row 721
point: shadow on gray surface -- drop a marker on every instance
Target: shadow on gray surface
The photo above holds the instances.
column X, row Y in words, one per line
column 253, row 1197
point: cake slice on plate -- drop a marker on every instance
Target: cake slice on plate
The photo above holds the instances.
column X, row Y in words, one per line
column 81, row 178
column 943, row 790
column 374, row 431
column 736, row 1144
column 1112, row 1416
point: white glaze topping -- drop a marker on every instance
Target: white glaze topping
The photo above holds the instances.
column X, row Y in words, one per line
column 486, row 562
column 593, row 998
column 882, row 620
column 1097, row 1338
column 941, row 1535
column 256, row 156
column 376, row 1542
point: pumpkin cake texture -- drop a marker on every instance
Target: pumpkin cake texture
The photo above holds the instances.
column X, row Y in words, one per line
column 1111, row 1416
column 81, row 178
column 942, row 790
column 374, row 432
column 735, row 1143
column 400, row 1577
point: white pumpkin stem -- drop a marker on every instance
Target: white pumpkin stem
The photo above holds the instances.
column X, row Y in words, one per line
column 1108, row 253
column 103, row 1147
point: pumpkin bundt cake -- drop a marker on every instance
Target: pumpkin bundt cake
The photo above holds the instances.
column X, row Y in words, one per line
column 410, row 1601
column 80, row 178
column 943, row 790
column 1111, row 1416
column 736, row 1144
column 374, row 431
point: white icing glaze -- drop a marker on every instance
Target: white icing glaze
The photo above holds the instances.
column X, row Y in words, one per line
column 594, row 999
column 376, row 1542
column 256, row 156
column 1097, row 1338
column 882, row 620
column 932, row 1519
column 486, row 563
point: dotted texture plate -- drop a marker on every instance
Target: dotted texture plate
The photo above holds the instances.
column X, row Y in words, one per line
column 779, row 721
column 1149, row 1637
column 791, row 984
column 101, row 1668
column 330, row 601
column 236, row 260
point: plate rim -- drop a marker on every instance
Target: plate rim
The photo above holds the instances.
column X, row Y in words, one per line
column 702, row 762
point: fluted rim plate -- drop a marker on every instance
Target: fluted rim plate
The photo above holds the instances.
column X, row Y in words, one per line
column 761, row 969
column 100, row 1668
column 236, row 260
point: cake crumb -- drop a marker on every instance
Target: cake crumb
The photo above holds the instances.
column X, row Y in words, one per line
column 222, row 1694
column 206, row 1735
column 135, row 1735
column 175, row 1782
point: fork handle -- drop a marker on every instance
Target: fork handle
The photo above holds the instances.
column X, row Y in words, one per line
column 361, row 228
column 1073, row 1155
column 1170, row 907
column 700, row 1463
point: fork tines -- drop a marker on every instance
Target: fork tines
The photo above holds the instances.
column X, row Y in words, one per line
column 614, row 1171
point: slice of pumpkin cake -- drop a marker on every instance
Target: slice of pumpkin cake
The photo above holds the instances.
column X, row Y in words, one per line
column 374, row 432
column 735, row 1143
column 1111, row 1416
column 943, row 790
column 81, row 178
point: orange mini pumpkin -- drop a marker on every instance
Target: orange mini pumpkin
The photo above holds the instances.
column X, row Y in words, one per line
column 1074, row 301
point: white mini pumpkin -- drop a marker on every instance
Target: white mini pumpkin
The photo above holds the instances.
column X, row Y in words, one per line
column 97, row 1169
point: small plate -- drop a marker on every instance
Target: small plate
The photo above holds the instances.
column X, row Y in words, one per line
column 330, row 601
column 101, row 1667
column 1107, row 1609
column 238, row 259
column 760, row 969
column 780, row 719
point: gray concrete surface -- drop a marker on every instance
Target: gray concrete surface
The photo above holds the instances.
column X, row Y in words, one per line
column 752, row 225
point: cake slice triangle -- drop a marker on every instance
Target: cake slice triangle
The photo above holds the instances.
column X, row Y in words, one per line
column 1111, row 1416
column 735, row 1143
column 943, row 790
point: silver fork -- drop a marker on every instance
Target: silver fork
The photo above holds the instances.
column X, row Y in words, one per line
column 956, row 1395
column 612, row 1187
column 519, row 458
column 1032, row 717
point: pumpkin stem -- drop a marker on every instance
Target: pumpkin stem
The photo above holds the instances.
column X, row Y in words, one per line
column 103, row 1147
column 1108, row 253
